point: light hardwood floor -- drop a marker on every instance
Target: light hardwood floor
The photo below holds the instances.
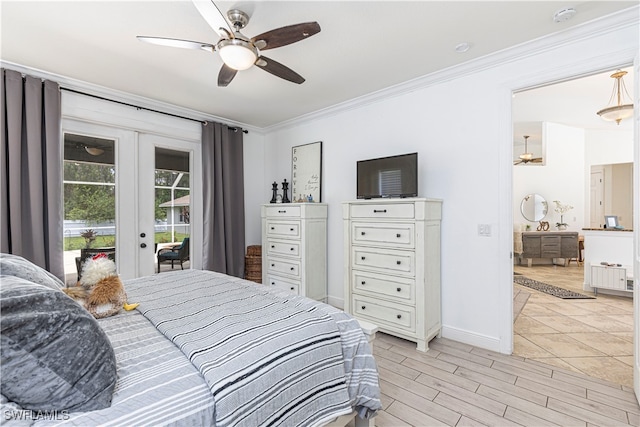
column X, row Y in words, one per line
column 455, row 384
column 553, row 381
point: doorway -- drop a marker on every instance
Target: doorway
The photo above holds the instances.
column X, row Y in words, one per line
column 550, row 329
column 128, row 193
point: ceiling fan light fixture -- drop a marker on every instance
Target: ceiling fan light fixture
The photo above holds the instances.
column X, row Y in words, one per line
column 526, row 156
column 620, row 106
column 237, row 53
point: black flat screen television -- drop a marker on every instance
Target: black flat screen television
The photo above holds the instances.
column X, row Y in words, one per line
column 394, row 176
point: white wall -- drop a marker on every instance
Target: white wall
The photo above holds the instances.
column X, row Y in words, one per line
column 461, row 128
column 561, row 177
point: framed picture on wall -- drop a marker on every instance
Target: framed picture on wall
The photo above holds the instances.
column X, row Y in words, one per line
column 306, row 172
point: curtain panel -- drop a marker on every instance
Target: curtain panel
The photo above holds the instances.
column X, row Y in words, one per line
column 31, row 171
column 223, row 199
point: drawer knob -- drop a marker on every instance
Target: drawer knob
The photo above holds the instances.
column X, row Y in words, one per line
column 273, row 283
column 362, row 258
column 273, row 265
column 362, row 283
column 364, row 307
column 379, row 211
column 291, row 229
column 292, row 288
column 398, row 262
column 291, row 249
column 398, row 235
column 399, row 316
column 273, row 246
column 362, row 233
column 273, row 228
column 291, row 268
column 399, row 289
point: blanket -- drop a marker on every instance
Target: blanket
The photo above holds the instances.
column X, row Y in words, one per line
column 268, row 358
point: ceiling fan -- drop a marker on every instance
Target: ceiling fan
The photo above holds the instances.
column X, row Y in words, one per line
column 239, row 52
column 527, row 157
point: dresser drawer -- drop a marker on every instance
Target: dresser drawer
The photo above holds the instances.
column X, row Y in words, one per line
column 550, row 246
column 385, row 234
column 282, row 211
column 384, row 260
column 292, row 286
column 383, row 210
column 289, row 229
column 289, row 248
column 384, row 313
column 289, row 267
column 372, row 284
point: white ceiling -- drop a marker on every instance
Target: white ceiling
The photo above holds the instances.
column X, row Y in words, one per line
column 364, row 46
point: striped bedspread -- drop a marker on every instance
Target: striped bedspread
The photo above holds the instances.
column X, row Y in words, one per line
column 157, row 385
column 269, row 358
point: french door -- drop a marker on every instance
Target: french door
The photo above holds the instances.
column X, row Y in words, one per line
column 152, row 194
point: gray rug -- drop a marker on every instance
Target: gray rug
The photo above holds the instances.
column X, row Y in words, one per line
column 549, row 289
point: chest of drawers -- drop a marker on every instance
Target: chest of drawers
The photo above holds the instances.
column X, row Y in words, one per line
column 392, row 266
column 549, row 244
column 294, row 248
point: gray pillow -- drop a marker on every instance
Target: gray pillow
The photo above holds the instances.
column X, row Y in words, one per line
column 14, row 265
column 54, row 355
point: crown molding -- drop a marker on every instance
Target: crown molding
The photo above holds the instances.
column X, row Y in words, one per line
column 617, row 21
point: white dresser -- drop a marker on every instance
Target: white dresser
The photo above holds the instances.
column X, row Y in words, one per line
column 294, row 248
column 392, row 265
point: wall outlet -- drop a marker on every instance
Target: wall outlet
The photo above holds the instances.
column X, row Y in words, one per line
column 484, row 230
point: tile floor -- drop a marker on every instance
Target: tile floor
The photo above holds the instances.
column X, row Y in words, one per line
column 591, row 336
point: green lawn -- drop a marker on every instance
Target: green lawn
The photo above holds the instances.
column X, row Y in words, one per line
column 74, row 243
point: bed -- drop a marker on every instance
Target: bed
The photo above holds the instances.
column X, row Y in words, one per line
column 202, row 348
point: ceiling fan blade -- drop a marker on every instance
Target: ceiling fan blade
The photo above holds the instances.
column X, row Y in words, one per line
column 279, row 70
column 225, row 75
column 537, row 160
column 213, row 16
column 184, row 44
column 285, row 35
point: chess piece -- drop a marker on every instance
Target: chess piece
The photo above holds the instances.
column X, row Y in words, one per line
column 285, row 192
column 274, row 197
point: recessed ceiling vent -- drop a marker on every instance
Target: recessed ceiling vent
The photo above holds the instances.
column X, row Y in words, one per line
column 564, row 14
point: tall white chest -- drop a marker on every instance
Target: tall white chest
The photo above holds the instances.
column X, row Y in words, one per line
column 392, row 265
column 294, row 248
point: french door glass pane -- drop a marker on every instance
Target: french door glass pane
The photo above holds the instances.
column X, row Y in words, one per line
column 172, row 201
column 89, row 198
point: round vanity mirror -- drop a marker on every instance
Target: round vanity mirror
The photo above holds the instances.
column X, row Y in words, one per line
column 533, row 207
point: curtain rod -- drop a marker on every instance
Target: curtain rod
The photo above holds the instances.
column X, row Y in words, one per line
column 235, row 129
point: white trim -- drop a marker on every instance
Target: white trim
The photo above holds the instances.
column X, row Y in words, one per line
column 472, row 338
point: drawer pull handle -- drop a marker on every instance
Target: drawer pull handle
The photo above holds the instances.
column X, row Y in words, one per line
column 282, row 211
column 362, row 258
column 273, row 246
column 273, row 228
column 399, row 316
column 291, row 268
column 292, row 288
column 379, row 211
column 364, row 307
column 399, row 289
column 398, row 262
column 363, row 283
column 291, row 229
column 362, row 233
column 398, row 235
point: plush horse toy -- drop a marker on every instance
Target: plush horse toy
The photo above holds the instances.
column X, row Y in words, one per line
column 100, row 290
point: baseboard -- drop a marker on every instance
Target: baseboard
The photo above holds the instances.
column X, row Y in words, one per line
column 471, row 338
column 335, row 302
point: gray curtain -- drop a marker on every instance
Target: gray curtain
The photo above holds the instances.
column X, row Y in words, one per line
column 31, row 171
column 223, row 188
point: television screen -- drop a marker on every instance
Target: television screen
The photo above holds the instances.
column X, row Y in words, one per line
column 394, row 176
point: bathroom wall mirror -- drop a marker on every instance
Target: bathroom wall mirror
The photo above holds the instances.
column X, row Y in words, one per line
column 533, row 207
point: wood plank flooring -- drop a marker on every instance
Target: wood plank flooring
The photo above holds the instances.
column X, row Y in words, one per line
column 455, row 384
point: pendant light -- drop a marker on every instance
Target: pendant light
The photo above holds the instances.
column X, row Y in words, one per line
column 617, row 109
